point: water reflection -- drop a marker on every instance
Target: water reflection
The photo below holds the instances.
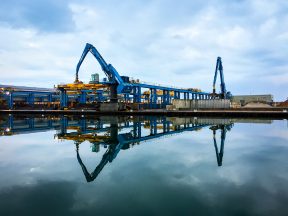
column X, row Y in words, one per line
column 115, row 134
column 223, row 129
column 171, row 169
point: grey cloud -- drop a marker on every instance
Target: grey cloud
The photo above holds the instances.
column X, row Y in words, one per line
column 142, row 37
column 157, row 181
column 269, row 59
column 43, row 198
column 165, row 191
column 46, row 16
column 149, row 189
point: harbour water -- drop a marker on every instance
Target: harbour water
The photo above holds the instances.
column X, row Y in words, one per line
column 69, row 165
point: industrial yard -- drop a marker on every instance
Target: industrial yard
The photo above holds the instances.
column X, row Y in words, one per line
column 117, row 93
column 149, row 108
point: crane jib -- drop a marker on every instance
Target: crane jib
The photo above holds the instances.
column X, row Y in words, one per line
column 111, row 73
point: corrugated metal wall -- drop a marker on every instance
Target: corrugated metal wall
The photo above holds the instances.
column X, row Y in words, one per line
column 243, row 99
column 201, row 104
column 198, row 120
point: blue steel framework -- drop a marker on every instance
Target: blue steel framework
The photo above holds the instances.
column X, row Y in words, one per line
column 166, row 97
column 82, row 96
column 132, row 91
column 136, row 96
column 90, row 130
column 120, row 87
column 29, row 95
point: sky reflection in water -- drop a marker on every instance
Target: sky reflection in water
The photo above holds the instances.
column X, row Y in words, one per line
column 151, row 173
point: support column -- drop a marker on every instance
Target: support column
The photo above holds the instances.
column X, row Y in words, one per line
column 136, row 129
column 31, row 123
column 100, row 97
column 114, row 133
column 64, row 124
column 164, row 103
column 164, row 127
column 134, row 91
column 83, row 97
column 126, row 97
column 176, row 95
column 63, row 98
column 168, row 97
column 153, row 126
column 137, row 94
column 10, row 121
column 113, row 94
column 10, row 100
column 83, row 125
column 50, row 98
column 31, row 98
column 50, row 124
column 153, row 98
column 168, row 126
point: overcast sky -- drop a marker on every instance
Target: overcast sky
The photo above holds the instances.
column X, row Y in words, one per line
column 159, row 41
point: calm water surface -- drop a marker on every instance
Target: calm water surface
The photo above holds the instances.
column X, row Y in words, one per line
column 143, row 166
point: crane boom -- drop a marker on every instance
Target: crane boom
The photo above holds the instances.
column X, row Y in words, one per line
column 92, row 176
column 109, row 70
column 224, row 94
column 96, row 54
column 224, row 129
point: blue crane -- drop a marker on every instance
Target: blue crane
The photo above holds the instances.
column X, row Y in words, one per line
column 223, row 94
column 224, row 128
column 112, row 74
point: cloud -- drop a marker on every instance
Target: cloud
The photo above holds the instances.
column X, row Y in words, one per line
column 46, row 16
column 168, row 176
column 41, row 198
column 189, row 180
column 156, row 41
